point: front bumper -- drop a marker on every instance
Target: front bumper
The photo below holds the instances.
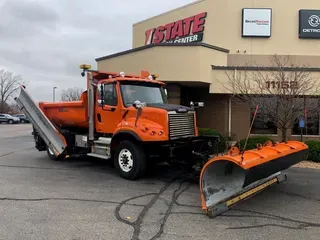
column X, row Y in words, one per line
column 201, row 144
column 195, row 149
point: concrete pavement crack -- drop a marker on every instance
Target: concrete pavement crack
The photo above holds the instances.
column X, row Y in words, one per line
column 167, row 214
column 65, row 199
column 191, row 213
column 118, row 208
column 164, row 201
column 6, row 154
column 301, row 224
column 42, row 168
column 300, row 227
column 297, row 195
column 137, row 224
column 71, row 169
column 181, row 204
column 271, row 225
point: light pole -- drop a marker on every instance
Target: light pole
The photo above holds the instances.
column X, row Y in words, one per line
column 54, row 97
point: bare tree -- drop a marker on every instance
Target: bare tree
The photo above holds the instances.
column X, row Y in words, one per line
column 71, row 94
column 284, row 92
column 13, row 109
column 9, row 84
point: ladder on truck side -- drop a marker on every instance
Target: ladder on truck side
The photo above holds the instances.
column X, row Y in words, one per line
column 50, row 135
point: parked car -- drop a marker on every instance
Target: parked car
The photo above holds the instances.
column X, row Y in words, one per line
column 22, row 117
column 7, row 118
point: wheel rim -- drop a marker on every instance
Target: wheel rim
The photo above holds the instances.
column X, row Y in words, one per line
column 125, row 160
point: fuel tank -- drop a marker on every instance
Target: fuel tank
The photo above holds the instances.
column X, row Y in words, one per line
column 67, row 114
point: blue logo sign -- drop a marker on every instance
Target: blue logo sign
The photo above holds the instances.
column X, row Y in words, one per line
column 301, row 123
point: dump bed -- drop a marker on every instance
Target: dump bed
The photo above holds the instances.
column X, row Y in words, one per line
column 67, row 114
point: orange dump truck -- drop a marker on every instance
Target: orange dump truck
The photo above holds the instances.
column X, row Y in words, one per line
column 126, row 119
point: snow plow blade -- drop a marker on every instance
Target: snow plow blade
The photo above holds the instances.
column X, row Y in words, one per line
column 227, row 180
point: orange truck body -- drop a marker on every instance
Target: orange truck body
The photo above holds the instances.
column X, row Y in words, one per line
column 69, row 114
column 164, row 131
column 152, row 125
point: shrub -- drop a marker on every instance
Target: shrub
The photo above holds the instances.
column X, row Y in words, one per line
column 253, row 141
column 211, row 132
column 314, row 150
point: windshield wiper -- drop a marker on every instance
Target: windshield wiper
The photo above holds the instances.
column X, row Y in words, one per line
column 156, row 103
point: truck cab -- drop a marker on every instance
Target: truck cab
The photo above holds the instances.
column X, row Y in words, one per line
column 118, row 100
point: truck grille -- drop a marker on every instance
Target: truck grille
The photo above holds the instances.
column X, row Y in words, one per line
column 181, row 125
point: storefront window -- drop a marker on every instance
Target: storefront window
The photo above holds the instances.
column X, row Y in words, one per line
column 265, row 120
column 299, row 111
column 310, row 114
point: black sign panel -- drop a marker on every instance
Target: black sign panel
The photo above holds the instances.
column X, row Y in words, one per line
column 309, row 24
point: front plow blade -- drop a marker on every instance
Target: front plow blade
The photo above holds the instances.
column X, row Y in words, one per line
column 234, row 177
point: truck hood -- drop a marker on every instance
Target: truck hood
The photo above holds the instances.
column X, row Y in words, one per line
column 171, row 107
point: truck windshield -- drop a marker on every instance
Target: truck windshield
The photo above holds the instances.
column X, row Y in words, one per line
column 148, row 93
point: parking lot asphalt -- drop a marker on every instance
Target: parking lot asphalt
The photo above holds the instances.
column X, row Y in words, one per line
column 83, row 199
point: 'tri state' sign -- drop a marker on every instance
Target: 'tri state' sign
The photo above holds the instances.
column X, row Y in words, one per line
column 185, row 30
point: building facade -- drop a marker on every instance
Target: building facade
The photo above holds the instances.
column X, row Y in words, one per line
column 197, row 47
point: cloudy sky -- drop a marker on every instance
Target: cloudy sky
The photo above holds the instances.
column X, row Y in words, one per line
column 44, row 41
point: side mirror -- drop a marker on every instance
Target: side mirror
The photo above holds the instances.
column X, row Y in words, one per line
column 100, row 92
column 166, row 91
column 138, row 105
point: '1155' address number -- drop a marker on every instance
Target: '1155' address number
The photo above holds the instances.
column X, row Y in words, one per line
column 282, row 84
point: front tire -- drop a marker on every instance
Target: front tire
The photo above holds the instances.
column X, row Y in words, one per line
column 10, row 121
column 130, row 160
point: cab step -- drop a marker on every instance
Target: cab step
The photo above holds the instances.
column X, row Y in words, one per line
column 101, row 148
column 98, row 156
column 103, row 141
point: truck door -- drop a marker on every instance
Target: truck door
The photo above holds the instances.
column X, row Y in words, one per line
column 108, row 115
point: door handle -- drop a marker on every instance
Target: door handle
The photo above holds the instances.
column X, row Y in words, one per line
column 110, row 109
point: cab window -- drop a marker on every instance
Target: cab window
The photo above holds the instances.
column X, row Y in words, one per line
column 110, row 95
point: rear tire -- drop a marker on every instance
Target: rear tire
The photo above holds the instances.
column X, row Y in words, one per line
column 130, row 160
column 22, row 121
column 52, row 156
